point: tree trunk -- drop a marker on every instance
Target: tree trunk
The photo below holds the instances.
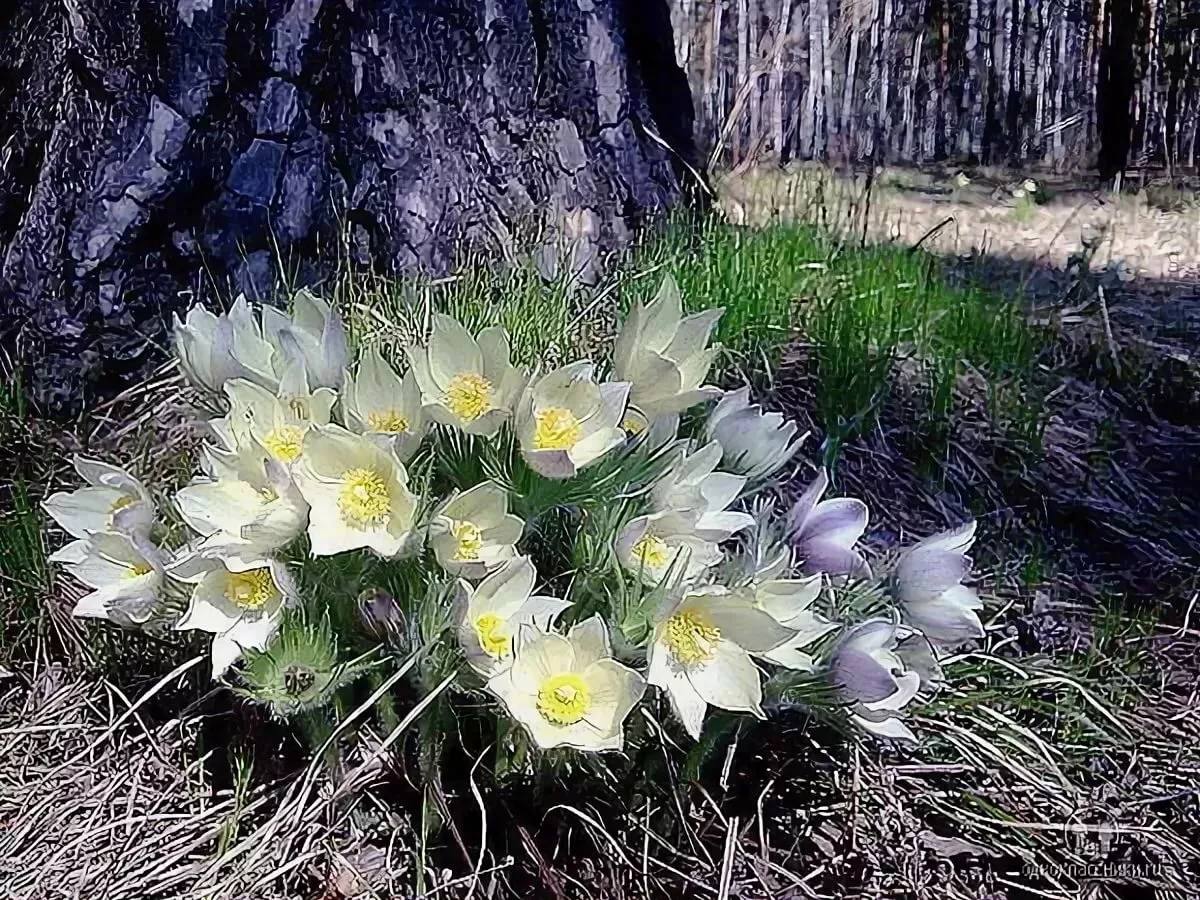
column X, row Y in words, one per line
column 159, row 150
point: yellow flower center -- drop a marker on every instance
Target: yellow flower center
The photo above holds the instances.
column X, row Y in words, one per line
column 469, row 396
column 388, row 421
column 652, row 551
column 284, row 443
column 137, row 570
column 563, row 699
column 493, row 643
column 364, row 501
column 633, row 425
column 691, row 637
column 556, row 429
column 252, row 589
column 122, row 502
column 470, row 540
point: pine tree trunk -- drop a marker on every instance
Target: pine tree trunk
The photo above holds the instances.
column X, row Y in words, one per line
column 152, row 146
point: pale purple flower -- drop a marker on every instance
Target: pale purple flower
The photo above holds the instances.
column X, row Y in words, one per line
column 878, row 668
column 754, row 443
column 824, row 532
column 929, row 589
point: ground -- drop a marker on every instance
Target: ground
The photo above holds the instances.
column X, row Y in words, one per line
column 1035, row 369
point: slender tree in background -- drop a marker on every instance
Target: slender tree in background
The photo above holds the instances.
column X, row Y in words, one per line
column 1062, row 83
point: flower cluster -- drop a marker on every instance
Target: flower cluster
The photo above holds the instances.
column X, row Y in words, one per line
column 573, row 542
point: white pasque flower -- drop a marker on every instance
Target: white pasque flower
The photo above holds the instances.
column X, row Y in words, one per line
column 248, row 502
column 490, row 614
column 824, row 532
column 568, row 691
column 385, row 407
column 665, row 355
column 692, row 486
column 313, row 335
column 465, row 382
column 239, row 600
column 124, row 571
column 112, row 501
column 566, row 421
column 215, row 349
column 755, row 443
column 928, row 584
column 473, row 532
column 358, row 493
column 788, row 601
column 877, row 669
column 701, row 649
column 277, row 422
column 655, row 545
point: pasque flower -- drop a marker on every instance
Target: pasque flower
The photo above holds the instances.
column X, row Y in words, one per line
column 824, row 532
column 277, row 422
column 701, row 649
column 239, row 600
column 468, row 383
column 358, row 493
column 215, row 349
column 124, row 571
column 248, row 502
column 691, row 486
column 473, row 532
column 928, row 584
column 754, row 443
column 666, row 543
column 568, row 691
column 490, row 614
column 112, row 501
column 878, row 668
column 566, row 421
column 314, row 336
column 789, row 602
column 664, row 355
column 379, row 403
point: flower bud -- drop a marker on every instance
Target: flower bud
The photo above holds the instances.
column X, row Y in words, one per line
column 381, row 615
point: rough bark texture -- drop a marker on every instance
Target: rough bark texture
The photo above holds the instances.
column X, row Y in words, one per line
column 152, row 149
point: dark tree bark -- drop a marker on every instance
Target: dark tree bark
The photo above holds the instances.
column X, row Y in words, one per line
column 152, row 150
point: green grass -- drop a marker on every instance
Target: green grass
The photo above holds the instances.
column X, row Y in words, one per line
column 864, row 310
column 24, row 573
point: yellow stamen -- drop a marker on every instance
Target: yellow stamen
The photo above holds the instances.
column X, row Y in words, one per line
column 652, row 551
column 493, row 644
column 556, row 429
column 252, row 589
column 469, row 396
column 470, row 540
column 284, row 443
column 364, row 501
column 563, row 699
column 388, row 421
column 121, row 502
column 633, row 425
column 137, row 570
column 691, row 637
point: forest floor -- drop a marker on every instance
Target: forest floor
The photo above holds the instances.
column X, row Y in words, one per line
column 1037, row 371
